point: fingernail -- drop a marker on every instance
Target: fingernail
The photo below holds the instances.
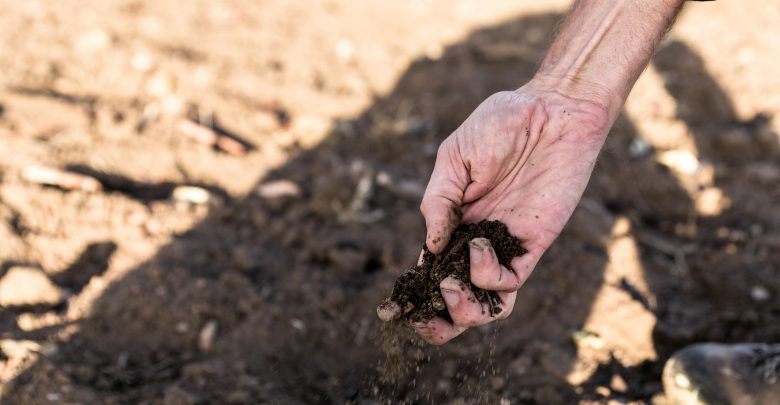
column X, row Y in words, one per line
column 450, row 291
column 478, row 247
column 450, row 297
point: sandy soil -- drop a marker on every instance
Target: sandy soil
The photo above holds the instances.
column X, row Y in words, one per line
column 257, row 297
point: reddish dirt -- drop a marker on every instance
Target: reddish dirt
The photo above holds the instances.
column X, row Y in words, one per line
column 348, row 100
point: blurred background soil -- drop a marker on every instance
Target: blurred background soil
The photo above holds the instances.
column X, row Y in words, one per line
column 307, row 131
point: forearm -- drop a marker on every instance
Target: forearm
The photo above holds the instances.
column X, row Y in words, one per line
column 603, row 48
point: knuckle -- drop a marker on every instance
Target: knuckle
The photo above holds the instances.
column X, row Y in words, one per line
column 514, row 282
column 427, row 203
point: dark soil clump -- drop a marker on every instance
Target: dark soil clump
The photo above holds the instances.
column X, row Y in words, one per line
column 417, row 290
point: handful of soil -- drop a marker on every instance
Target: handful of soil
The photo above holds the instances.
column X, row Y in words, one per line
column 416, row 292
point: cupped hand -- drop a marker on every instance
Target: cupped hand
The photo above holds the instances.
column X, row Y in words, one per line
column 524, row 158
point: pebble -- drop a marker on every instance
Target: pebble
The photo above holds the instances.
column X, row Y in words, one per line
column 28, row 286
column 711, row 202
column 191, row 194
column 278, row 189
column 622, row 227
column 30, row 321
column 298, row 324
column 587, row 339
column 618, row 384
column 55, row 177
column 681, row 161
column 207, row 336
column 182, row 327
column 759, row 293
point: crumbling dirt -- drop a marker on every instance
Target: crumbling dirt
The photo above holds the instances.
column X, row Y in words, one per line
column 417, row 292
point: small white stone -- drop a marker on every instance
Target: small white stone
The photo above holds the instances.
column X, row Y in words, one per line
column 711, row 202
column 681, row 161
column 191, row 194
column 298, row 324
column 142, row 61
column 207, row 336
column 278, row 189
column 383, row 178
column 759, row 293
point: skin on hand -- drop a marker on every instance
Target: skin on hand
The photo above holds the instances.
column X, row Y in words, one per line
column 523, row 158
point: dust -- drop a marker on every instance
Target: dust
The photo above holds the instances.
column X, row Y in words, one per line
column 411, row 371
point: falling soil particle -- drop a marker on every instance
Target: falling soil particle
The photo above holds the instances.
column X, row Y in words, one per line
column 417, row 290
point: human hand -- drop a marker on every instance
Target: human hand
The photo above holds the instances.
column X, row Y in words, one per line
column 523, row 158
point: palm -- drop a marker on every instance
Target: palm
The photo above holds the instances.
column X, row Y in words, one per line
column 526, row 162
column 522, row 158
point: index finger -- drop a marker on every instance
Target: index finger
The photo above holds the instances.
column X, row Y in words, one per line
column 443, row 197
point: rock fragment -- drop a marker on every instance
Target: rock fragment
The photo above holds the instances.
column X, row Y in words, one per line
column 65, row 180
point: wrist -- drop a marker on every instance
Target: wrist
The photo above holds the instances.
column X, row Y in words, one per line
column 603, row 48
column 596, row 95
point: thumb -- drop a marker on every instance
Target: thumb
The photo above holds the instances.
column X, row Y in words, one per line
column 444, row 196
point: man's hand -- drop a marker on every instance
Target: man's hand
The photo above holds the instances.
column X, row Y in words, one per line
column 523, row 158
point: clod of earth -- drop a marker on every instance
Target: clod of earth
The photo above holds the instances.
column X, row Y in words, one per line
column 416, row 292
